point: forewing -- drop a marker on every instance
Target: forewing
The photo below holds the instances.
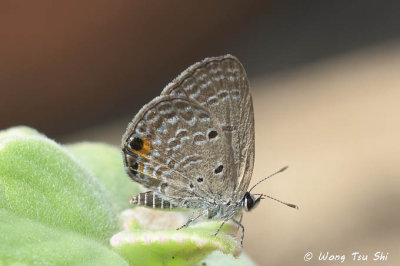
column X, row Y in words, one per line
column 220, row 85
column 173, row 147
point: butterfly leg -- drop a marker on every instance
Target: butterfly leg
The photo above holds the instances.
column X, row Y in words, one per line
column 241, row 225
column 220, row 227
column 191, row 220
column 240, row 220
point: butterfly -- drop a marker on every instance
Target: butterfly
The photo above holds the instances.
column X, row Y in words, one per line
column 193, row 146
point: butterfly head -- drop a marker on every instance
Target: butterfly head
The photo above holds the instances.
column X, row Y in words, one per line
column 249, row 202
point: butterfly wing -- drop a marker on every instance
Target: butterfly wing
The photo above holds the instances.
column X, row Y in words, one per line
column 170, row 148
column 194, row 144
column 220, row 85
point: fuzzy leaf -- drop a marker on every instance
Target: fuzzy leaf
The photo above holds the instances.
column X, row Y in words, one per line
column 145, row 247
column 19, row 131
column 42, row 181
column 150, row 238
column 105, row 162
column 27, row 242
column 217, row 258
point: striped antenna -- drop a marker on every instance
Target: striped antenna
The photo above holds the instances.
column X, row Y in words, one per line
column 286, row 203
column 262, row 180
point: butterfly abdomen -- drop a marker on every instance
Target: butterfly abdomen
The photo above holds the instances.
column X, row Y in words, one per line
column 151, row 200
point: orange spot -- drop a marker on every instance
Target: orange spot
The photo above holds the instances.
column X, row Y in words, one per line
column 146, row 148
column 140, row 167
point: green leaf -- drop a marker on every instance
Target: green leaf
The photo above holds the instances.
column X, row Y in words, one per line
column 169, row 246
column 105, row 162
column 42, row 181
column 150, row 238
column 217, row 258
column 28, row 242
column 20, row 131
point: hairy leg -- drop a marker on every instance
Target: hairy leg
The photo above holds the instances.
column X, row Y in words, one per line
column 192, row 219
column 220, row 227
column 241, row 225
column 240, row 220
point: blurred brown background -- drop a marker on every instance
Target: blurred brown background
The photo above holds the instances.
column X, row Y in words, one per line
column 326, row 89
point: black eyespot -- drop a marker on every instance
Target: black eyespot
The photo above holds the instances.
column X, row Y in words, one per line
column 212, row 134
column 136, row 144
column 134, row 168
column 200, row 179
column 191, row 185
column 219, row 169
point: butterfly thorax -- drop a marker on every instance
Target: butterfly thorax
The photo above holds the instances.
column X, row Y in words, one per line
column 229, row 209
column 224, row 211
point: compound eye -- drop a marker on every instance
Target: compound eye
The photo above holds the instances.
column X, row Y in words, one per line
column 249, row 201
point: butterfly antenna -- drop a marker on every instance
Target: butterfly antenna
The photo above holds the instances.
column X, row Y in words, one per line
column 287, row 204
column 262, row 180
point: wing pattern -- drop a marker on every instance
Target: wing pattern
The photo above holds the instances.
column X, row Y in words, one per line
column 194, row 144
